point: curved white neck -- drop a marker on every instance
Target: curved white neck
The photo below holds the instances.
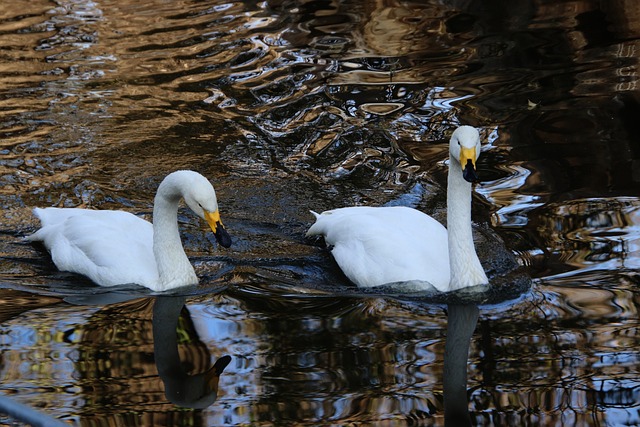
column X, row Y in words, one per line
column 465, row 266
column 174, row 268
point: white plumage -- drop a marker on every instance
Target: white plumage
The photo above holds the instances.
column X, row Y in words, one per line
column 381, row 245
column 116, row 247
column 375, row 246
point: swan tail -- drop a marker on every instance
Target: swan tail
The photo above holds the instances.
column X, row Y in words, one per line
column 315, row 229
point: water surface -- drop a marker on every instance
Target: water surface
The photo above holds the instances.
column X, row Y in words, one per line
column 290, row 106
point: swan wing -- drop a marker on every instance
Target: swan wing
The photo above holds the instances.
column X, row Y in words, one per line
column 380, row 245
column 109, row 247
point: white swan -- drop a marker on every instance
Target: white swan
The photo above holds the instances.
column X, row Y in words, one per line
column 116, row 247
column 380, row 245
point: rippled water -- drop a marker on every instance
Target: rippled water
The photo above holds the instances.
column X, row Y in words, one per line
column 290, row 106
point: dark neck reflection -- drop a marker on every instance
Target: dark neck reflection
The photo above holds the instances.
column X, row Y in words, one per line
column 182, row 388
column 461, row 323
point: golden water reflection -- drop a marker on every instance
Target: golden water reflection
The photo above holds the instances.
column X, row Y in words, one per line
column 291, row 106
column 105, row 362
column 592, row 234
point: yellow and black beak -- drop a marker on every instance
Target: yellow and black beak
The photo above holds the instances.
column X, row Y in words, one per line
column 468, row 163
column 213, row 219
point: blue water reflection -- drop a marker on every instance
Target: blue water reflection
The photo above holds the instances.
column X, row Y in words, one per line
column 289, row 106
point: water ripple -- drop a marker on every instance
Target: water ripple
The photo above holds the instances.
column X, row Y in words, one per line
column 290, row 106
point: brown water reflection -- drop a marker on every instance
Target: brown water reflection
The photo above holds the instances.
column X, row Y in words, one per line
column 289, row 106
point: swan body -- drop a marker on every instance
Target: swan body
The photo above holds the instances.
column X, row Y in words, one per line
column 116, row 247
column 380, row 245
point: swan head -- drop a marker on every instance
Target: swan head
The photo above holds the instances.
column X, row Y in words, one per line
column 199, row 195
column 464, row 147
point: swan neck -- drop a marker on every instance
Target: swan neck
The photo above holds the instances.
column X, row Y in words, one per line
column 459, row 211
column 465, row 266
column 174, row 268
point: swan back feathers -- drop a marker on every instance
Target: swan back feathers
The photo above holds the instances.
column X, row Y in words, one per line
column 367, row 241
column 109, row 247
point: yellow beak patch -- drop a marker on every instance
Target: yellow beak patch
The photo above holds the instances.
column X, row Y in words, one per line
column 467, row 154
column 213, row 219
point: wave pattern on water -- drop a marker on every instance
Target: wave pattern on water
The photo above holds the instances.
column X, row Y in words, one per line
column 289, row 106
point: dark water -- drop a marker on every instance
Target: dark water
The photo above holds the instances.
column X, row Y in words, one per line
column 290, row 106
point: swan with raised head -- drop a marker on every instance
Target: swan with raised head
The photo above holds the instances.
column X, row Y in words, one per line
column 116, row 247
column 381, row 245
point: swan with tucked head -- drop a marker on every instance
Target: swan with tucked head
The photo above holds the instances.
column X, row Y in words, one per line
column 380, row 245
column 116, row 247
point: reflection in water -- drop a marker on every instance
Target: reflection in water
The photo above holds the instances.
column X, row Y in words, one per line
column 292, row 106
column 462, row 320
column 198, row 390
column 584, row 237
column 130, row 343
column 592, row 235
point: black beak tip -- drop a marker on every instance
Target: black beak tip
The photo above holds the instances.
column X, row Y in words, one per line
column 221, row 364
column 469, row 172
column 223, row 238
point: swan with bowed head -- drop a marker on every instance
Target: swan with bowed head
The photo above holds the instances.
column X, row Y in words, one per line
column 381, row 245
column 117, row 247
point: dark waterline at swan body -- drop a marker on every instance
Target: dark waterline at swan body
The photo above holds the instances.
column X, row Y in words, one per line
column 290, row 106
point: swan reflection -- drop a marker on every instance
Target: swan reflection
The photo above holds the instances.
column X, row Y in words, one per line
column 182, row 388
column 462, row 320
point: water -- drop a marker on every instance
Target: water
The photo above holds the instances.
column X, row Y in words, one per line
column 290, row 106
